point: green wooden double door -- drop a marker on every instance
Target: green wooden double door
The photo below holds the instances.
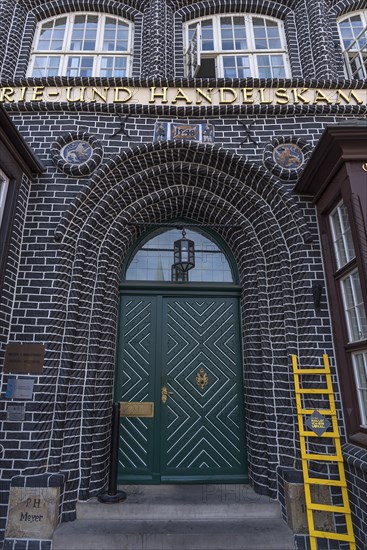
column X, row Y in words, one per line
column 181, row 356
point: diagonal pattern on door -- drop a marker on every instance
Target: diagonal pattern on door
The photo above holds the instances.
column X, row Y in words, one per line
column 202, row 427
column 136, row 383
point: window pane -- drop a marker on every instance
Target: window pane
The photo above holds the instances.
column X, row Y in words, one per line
column 46, row 66
column 360, row 372
column 342, row 236
column 233, row 33
column 115, row 35
column 236, row 66
column 207, row 37
column 80, row 66
column 353, row 31
column 153, row 262
column 52, row 35
column 84, row 33
column 267, row 34
column 354, row 307
column 113, row 66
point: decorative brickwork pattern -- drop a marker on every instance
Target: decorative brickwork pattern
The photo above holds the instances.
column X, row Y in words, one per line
column 73, row 232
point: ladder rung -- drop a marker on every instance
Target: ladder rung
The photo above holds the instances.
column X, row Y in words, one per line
column 325, row 434
column 311, row 371
column 328, row 508
column 332, row 536
column 313, row 391
column 320, row 481
column 321, row 411
column 327, row 458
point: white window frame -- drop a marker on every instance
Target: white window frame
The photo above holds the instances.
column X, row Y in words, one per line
column 361, row 402
column 349, row 50
column 4, row 185
column 355, row 306
column 251, row 52
column 96, row 54
column 344, row 230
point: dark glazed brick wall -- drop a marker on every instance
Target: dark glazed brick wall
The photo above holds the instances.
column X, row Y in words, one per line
column 71, row 236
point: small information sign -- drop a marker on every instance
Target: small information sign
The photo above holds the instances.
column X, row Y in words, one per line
column 20, row 388
column 24, row 358
column 317, row 423
column 15, row 413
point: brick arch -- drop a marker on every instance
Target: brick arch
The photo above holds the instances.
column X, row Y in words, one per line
column 191, row 10
column 142, row 163
column 197, row 184
column 342, row 7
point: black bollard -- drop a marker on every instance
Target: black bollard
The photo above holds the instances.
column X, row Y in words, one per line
column 113, row 495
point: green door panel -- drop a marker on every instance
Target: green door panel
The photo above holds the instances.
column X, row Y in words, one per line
column 203, row 426
column 198, row 434
column 136, row 382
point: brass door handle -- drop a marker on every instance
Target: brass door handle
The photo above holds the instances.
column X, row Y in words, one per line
column 165, row 393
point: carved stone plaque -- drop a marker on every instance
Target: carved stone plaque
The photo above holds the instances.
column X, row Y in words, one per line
column 23, row 358
column 296, row 507
column 32, row 512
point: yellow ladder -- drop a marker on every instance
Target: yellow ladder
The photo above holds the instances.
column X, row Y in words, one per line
column 330, row 412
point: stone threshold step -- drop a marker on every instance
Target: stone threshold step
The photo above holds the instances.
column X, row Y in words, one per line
column 155, row 502
column 173, row 535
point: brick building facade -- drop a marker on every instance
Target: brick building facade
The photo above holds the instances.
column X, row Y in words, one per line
column 288, row 71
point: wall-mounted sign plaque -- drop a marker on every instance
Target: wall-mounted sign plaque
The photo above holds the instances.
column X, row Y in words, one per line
column 15, row 413
column 317, row 423
column 21, row 358
column 19, row 388
column 137, row 409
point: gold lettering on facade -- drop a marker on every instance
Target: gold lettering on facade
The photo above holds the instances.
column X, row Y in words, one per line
column 6, row 94
column 98, row 93
column 22, row 93
column 264, row 101
column 70, row 94
column 206, row 95
column 120, row 90
column 154, row 95
column 282, row 95
column 364, row 166
column 37, row 93
column 320, row 96
column 299, row 97
column 347, row 98
column 223, row 92
column 181, row 96
column 247, row 95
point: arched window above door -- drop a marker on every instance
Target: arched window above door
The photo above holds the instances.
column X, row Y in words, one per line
column 153, row 260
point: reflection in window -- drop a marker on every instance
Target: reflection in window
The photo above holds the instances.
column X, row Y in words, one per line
column 4, row 183
column 154, row 260
column 354, row 307
column 342, row 236
column 360, row 371
column 353, row 34
column 82, row 44
column 233, row 46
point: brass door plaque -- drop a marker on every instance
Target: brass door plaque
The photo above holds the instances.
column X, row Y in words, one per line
column 142, row 409
column 24, row 358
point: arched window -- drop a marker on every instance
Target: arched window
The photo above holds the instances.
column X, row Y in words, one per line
column 236, row 46
column 353, row 35
column 82, row 44
column 153, row 261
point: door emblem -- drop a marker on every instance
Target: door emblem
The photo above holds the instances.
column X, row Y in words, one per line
column 202, row 378
column 165, row 393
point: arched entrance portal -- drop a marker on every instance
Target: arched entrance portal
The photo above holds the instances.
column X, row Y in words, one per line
column 179, row 367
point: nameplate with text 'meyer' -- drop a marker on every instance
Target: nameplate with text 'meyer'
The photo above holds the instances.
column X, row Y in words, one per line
column 134, row 409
